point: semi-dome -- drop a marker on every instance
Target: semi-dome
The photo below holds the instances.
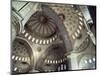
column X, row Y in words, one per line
column 55, row 54
column 21, row 56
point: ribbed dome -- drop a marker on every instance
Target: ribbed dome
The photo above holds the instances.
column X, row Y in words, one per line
column 41, row 25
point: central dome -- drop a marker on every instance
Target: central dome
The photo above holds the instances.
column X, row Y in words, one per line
column 41, row 25
column 43, row 19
